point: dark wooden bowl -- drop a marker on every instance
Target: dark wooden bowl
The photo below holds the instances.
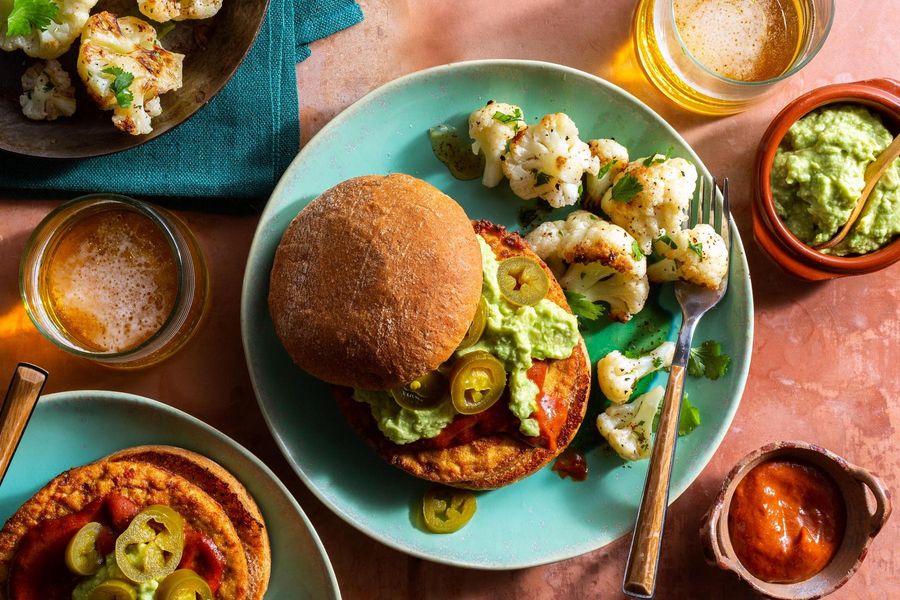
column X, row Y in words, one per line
column 214, row 49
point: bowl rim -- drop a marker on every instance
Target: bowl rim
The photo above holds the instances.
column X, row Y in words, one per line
column 143, row 139
column 711, row 524
column 880, row 94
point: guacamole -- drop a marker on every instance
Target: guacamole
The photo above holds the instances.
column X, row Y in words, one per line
column 110, row 570
column 818, row 174
column 516, row 335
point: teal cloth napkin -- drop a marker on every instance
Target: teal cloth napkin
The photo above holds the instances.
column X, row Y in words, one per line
column 237, row 146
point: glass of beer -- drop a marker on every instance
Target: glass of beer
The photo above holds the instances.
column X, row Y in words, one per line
column 114, row 280
column 716, row 57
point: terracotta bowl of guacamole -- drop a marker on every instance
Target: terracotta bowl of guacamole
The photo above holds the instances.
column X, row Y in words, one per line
column 807, row 175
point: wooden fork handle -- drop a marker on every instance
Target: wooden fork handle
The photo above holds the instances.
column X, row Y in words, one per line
column 21, row 398
column 643, row 559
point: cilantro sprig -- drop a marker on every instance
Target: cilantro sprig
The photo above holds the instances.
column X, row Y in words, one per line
column 626, row 188
column 28, row 15
column 636, row 251
column 584, row 308
column 541, row 178
column 605, row 169
column 689, row 419
column 120, row 84
column 507, row 118
column 696, row 249
column 665, row 239
column 653, row 157
column 708, row 361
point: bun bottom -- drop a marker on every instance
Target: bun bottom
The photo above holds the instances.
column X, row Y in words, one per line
column 497, row 460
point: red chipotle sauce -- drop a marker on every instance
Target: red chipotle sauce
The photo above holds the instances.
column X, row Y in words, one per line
column 786, row 521
column 39, row 572
column 571, row 463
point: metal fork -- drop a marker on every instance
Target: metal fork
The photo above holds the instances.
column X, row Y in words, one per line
column 643, row 558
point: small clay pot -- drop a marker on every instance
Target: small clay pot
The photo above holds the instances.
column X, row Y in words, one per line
column 863, row 524
column 776, row 240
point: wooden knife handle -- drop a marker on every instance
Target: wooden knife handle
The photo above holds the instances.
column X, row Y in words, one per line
column 21, row 398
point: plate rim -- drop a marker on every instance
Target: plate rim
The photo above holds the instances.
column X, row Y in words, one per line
column 74, row 396
column 351, row 110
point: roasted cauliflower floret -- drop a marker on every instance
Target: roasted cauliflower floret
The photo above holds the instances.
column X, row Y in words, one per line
column 651, row 195
column 696, row 255
column 179, row 10
column 126, row 70
column 629, row 427
column 42, row 28
column 613, row 158
column 492, row 127
column 618, row 375
column 547, row 160
column 596, row 259
column 47, row 92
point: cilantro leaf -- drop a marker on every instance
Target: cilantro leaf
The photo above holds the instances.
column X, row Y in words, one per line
column 690, row 417
column 652, row 158
column 626, row 188
column 708, row 361
column 120, row 84
column 505, row 118
column 27, row 15
column 687, row 422
column 696, row 249
column 584, row 308
column 636, row 251
column 605, row 169
column 541, row 178
column 665, row 239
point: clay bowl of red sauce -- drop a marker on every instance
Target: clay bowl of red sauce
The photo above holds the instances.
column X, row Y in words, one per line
column 829, row 509
column 882, row 96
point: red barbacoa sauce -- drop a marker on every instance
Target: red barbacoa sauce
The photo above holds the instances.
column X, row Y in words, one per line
column 571, row 463
column 551, row 415
column 39, row 571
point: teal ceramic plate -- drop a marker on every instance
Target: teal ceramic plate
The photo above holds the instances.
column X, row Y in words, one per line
column 543, row 518
column 75, row 428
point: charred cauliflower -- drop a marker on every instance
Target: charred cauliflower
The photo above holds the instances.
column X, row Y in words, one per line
column 618, row 374
column 596, row 259
column 179, row 10
column 126, row 70
column 548, row 160
column 42, row 28
column 629, row 427
column 613, row 158
column 47, row 92
column 697, row 255
column 652, row 194
column 492, row 127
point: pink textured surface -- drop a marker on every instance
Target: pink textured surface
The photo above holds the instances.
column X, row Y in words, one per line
column 825, row 363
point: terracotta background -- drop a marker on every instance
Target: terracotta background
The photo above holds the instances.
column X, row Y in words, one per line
column 825, row 357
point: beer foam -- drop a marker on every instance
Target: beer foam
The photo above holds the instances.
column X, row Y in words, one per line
column 113, row 281
column 742, row 40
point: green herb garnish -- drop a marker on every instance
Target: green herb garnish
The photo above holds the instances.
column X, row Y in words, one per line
column 541, row 178
column 505, row 118
column 626, row 188
column 584, row 308
column 120, row 84
column 696, row 249
column 636, row 251
column 28, row 15
column 690, row 417
column 652, row 158
column 605, row 169
column 708, row 361
column 665, row 239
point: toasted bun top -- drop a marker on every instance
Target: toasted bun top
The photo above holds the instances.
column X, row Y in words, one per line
column 375, row 282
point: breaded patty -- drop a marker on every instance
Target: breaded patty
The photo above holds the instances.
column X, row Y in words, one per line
column 143, row 484
column 495, row 460
column 225, row 489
